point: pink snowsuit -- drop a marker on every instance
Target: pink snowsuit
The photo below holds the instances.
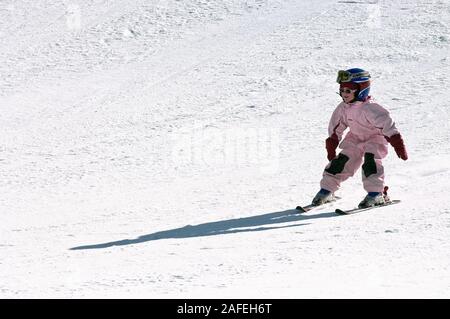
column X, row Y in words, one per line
column 369, row 123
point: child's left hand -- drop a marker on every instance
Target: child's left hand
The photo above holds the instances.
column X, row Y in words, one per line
column 399, row 147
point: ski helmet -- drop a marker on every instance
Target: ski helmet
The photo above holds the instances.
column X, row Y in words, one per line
column 359, row 77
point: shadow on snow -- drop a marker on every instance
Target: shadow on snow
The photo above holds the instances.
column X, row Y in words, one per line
column 222, row 227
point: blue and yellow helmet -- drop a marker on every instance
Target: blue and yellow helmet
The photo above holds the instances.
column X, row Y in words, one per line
column 359, row 77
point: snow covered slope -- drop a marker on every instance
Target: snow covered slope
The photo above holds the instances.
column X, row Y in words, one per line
column 155, row 149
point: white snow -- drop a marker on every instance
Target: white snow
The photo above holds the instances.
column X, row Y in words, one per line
column 155, row 149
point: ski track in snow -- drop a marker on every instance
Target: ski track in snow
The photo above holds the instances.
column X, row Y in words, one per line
column 154, row 149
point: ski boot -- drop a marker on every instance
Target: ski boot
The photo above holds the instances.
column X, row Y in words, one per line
column 322, row 197
column 372, row 199
column 375, row 199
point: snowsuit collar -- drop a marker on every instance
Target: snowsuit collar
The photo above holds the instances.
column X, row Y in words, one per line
column 359, row 103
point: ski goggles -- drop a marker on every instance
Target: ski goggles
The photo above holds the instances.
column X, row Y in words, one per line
column 346, row 76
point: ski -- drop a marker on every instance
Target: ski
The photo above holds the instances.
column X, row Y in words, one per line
column 304, row 209
column 358, row 210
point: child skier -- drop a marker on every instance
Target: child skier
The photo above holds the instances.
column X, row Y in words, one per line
column 370, row 130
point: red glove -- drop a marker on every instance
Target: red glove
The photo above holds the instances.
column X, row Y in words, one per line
column 331, row 144
column 399, row 147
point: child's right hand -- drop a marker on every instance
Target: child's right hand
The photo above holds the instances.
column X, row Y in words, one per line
column 331, row 144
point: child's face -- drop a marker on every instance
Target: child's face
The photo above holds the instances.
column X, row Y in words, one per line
column 347, row 94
